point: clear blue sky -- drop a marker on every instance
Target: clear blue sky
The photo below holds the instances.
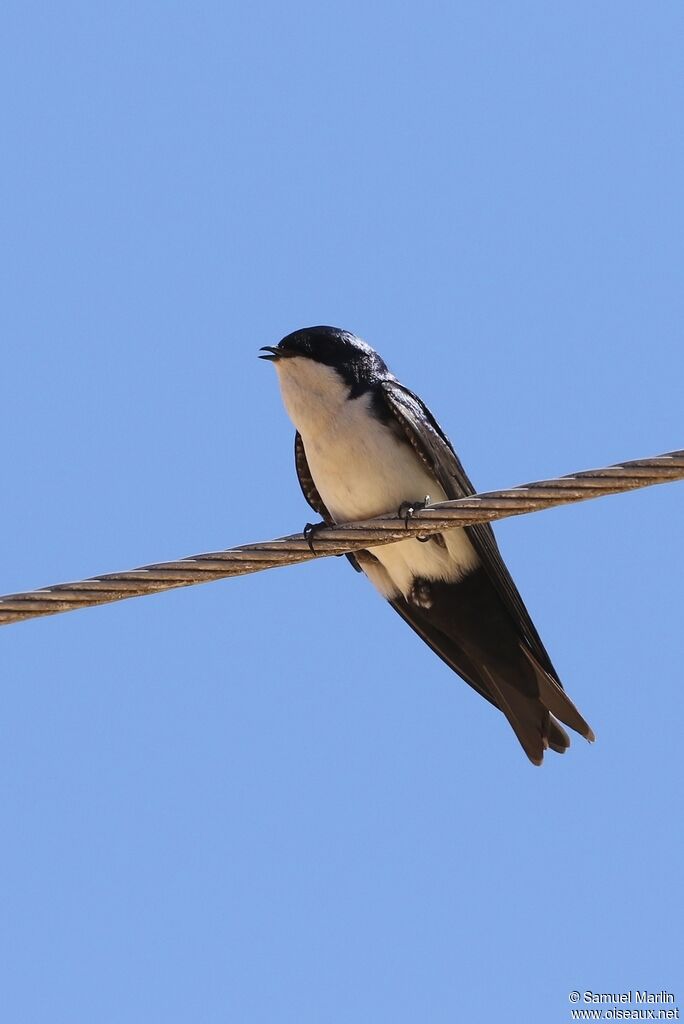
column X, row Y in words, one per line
column 264, row 799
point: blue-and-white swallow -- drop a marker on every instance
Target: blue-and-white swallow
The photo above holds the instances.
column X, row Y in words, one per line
column 366, row 445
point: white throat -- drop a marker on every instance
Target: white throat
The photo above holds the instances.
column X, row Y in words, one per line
column 314, row 395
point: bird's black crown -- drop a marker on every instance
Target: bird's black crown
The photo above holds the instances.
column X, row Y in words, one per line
column 356, row 361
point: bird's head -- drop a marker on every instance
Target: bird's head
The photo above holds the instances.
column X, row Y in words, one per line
column 340, row 350
column 321, row 367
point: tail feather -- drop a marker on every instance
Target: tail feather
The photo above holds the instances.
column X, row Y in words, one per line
column 534, row 725
column 528, row 717
column 557, row 701
column 469, row 628
column 558, row 737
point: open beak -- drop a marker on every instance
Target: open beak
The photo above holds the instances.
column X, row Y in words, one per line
column 273, row 354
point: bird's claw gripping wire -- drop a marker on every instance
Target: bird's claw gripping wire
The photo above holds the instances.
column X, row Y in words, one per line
column 408, row 509
column 309, row 532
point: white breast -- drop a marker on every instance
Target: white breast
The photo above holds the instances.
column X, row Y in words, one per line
column 361, row 470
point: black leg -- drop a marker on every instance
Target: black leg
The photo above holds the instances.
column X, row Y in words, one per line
column 407, row 509
column 309, row 532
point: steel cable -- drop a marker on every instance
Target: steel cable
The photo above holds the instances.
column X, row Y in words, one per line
column 337, row 540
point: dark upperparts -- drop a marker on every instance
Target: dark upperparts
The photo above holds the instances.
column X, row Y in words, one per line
column 356, row 362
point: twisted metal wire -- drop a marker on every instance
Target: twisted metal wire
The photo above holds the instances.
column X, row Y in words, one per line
column 337, row 540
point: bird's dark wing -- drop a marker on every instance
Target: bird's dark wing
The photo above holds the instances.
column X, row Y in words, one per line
column 306, row 482
column 480, row 625
column 436, row 451
column 310, row 492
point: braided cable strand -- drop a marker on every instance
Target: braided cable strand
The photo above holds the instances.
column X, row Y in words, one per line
column 337, row 540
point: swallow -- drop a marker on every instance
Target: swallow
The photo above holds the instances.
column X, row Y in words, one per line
column 366, row 445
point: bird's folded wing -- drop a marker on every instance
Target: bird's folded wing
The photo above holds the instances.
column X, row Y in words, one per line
column 434, row 448
column 306, row 481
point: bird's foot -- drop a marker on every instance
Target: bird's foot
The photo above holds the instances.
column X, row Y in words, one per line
column 310, row 531
column 408, row 509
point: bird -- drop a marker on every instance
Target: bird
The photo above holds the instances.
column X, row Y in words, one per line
column 366, row 445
